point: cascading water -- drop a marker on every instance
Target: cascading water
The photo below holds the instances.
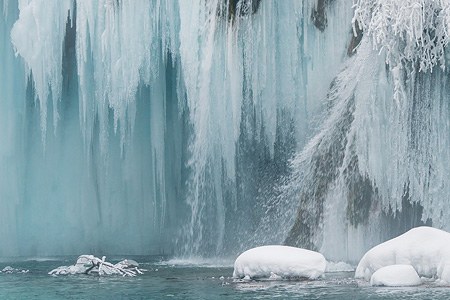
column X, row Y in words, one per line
column 192, row 127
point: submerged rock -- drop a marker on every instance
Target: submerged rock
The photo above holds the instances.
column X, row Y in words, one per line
column 279, row 262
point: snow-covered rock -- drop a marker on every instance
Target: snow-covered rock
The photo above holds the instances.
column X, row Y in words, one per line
column 426, row 249
column 89, row 264
column 276, row 262
column 10, row 270
column 395, row 275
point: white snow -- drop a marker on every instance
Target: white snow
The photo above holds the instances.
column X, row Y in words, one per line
column 277, row 262
column 10, row 270
column 401, row 28
column 89, row 264
column 426, row 249
column 395, row 275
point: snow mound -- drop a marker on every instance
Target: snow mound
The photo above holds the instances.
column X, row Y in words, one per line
column 426, row 249
column 89, row 264
column 395, row 275
column 277, row 262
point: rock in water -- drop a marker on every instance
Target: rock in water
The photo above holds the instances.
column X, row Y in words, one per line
column 426, row 249
column 395, row 275
column 279, row 262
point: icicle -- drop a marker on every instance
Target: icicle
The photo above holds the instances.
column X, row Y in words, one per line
column 38, row 37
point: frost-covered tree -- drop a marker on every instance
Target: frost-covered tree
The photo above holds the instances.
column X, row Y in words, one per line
column 377, row 166
column 408, row 31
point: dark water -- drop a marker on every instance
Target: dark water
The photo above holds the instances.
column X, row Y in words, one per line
column 169, row 281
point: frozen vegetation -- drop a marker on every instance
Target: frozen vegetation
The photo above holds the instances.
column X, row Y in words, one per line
column 278, row 262
column 425, row 249
column 379, row 164
column 91, row 265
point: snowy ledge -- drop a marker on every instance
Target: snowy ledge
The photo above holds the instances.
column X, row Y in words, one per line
column 425, row 249
column 278, row 262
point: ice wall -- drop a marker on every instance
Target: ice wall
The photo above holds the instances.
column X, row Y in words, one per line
column 169, row 126
column 12, row 122
column 84, row 165
column 252, row 84
column 157, row 126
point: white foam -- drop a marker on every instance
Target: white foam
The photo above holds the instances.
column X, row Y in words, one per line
column 341, row 266
column 199, row 262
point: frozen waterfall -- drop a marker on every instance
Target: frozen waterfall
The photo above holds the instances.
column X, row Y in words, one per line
column 204, row 127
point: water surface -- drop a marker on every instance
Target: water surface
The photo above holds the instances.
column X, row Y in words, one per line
column 183, row 279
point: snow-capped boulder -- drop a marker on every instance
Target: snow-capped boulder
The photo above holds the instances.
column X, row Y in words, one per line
column 426, row 249
column 395, row 275
column 276, row 262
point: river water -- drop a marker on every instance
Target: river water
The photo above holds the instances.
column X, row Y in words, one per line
column 178, row 279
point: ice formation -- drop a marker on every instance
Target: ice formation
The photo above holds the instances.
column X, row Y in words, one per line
column 395, row 275
column 277, row 262
column 378, row 165
column 175, row 124
column 89, row 264
column 426, row 249
column 159, row 121
column 39, row 41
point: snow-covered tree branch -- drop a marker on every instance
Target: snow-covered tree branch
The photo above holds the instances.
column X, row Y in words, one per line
column 89, row 264
column 413, row 30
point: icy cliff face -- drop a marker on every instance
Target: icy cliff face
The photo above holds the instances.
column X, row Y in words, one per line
column 157, row 126
column 380, row 162
column 168, row 126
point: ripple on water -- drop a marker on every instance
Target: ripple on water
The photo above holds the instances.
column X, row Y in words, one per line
column 195, row 282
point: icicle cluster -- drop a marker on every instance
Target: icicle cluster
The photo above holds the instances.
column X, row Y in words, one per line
column 39, row 41
column 119, row 45
column 170, row 112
